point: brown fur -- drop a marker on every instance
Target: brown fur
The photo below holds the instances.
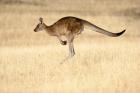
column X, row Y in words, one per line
column 70, row 27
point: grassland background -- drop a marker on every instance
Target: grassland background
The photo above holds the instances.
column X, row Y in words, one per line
column 30, row 62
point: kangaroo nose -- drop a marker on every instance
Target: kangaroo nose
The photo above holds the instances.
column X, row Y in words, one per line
column 34, row 30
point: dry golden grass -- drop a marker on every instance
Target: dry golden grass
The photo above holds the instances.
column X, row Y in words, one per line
column 30, row 62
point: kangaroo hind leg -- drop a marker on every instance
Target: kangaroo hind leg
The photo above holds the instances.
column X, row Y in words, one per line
column 71, row 46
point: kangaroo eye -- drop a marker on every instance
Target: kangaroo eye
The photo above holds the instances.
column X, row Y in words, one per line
column 38, row 25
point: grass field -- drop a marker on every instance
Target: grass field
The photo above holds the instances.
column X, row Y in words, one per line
column 30, row 62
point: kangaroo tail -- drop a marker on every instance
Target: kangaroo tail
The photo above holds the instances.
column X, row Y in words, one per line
column 100, row 30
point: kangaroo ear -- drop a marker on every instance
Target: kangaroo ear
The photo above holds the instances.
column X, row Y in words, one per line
column 41, row 20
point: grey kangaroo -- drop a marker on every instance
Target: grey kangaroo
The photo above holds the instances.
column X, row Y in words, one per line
column 70, row 27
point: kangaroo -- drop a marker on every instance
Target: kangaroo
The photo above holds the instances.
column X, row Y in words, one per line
column 70, row 27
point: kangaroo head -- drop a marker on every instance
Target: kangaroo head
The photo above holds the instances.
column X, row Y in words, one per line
column 40, row 26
